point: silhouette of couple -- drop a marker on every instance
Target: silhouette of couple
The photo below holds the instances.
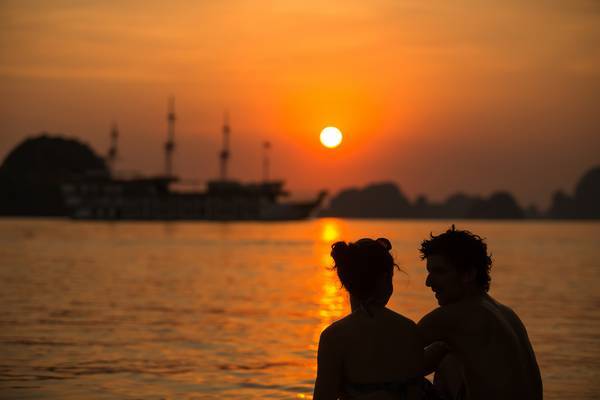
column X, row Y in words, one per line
column 477, row 347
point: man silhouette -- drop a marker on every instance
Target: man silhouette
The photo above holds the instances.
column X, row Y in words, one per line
column 478, row 348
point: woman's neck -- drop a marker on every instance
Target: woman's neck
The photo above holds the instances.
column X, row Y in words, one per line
column 368, row 305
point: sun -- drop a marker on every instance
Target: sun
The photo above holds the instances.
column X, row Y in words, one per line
column 331, row 137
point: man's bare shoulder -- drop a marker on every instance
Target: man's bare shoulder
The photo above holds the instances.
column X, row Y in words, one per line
column 506, row 310
column 451, row 319
column 447, row 313
column 503, row 312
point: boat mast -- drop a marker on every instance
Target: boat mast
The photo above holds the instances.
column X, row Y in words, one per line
column 170, row 143
column 224, row 155
column 266, row 165
column 112, row 150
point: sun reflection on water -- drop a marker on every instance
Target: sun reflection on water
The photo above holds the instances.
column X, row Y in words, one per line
column 332, row 301
column 330, row 230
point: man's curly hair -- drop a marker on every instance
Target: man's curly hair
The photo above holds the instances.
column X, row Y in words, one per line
column 464, row 250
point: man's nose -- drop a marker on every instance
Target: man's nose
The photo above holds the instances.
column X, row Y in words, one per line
column 428, row 281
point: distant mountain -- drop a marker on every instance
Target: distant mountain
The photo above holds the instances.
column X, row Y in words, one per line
column 459, row 205
column 33, row 172
column 500, row 205
column 385, row 200
column 378, row 200
column 585, row 204
column 562, row 207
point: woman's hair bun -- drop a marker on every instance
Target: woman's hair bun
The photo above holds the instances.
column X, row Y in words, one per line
column 385, row 243
column 363, row 265
column 339, row 246
column 338, row 249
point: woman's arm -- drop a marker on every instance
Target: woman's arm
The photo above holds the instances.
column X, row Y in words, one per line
column 329, row 368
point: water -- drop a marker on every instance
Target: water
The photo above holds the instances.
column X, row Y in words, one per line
column 197, row 310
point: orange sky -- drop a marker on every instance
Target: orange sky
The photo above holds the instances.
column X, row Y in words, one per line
column 437, row 96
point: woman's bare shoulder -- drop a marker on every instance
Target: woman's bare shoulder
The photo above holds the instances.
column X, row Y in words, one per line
column 401, row 320
column 337, row 328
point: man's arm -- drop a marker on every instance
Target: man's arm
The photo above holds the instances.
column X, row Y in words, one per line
column 329, row 368
column 435, row 330
column 534, row 369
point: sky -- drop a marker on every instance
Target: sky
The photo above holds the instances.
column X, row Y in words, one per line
column 437, row 96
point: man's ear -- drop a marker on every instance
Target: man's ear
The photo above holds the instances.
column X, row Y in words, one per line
column 469, row 276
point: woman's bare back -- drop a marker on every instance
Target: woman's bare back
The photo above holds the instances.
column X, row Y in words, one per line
column 378, row 348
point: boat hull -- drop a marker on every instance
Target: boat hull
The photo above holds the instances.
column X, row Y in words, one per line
column 152, row 200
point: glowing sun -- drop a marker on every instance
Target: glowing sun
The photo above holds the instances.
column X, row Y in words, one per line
column 331, row 137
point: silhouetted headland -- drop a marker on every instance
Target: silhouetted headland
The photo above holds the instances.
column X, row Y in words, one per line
column 386, row 200
column 389, row 202
column 585, row 204
column 33, row 173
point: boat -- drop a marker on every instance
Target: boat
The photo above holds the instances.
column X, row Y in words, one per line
column 151, row 198
column 104, row 197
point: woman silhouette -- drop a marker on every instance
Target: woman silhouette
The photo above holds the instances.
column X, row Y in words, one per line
column 374, row 352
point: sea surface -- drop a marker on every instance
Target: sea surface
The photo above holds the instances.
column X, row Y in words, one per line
column 194, row 310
